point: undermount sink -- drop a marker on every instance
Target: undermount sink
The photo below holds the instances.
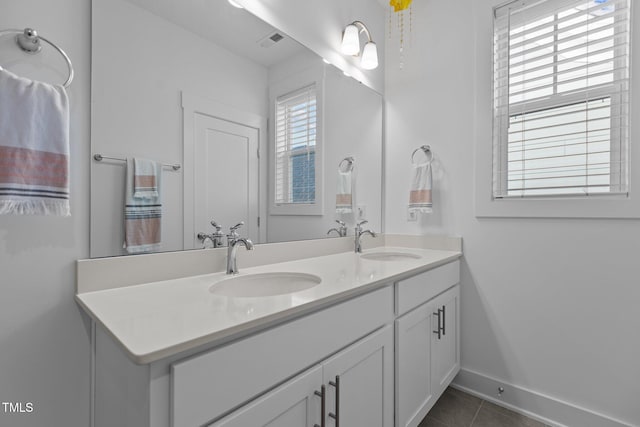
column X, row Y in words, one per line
column 264, row 284
column 389, row 256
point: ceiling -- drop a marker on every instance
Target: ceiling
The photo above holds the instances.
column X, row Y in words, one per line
column 234, row 29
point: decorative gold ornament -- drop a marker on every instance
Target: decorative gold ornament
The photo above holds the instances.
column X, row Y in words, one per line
column 400, row 7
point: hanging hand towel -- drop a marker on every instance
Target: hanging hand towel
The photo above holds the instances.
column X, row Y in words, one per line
column 344, row 191
column 34, row 147
column 142, row 216
column 420, row 194
column 145, row 184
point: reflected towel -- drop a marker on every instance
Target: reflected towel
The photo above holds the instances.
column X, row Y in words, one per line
column 344, row 192
column 34, row 147
column 145, row 179
column 421, row 185
column 142, row 216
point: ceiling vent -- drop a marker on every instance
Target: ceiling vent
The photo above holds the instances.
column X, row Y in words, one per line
column 271, row 39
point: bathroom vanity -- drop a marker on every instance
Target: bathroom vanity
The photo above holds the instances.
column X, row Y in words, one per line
column 374, row 343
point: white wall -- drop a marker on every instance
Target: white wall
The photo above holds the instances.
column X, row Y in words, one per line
column 44, row 340
column 547, row 305
column 137, row 81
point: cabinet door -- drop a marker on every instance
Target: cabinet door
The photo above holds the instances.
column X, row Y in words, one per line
column 414, row 396
column 359, row 383
column 293, row 404
column 445, row 348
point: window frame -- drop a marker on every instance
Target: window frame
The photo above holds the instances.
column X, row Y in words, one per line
column 555, row 101
column 486, row 206
column 278, row 89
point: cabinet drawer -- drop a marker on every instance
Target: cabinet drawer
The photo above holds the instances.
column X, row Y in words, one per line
column 207, row 386
column 418, row 289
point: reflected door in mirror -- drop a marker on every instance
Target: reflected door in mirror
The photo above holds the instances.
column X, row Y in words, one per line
column 226, row 170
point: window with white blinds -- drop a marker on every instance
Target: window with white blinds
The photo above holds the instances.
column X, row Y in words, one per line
column 561, row 98
column 295, row 147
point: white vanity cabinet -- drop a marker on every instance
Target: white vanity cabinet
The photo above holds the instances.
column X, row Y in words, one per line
column 294, row 404
column 445, row 348
column 427, row 341
column 360, row 380
column 267, row 378
column 378, row 358
column 352, row 388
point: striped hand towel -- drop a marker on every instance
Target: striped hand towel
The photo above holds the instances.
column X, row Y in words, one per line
column 34, row 147
column 142, row 216
column 421, row 185
column 145, row 184
column 344, row 192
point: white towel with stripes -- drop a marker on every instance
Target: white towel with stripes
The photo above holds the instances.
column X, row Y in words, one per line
column 142, row 215
column 34, row 147
column 421, row 186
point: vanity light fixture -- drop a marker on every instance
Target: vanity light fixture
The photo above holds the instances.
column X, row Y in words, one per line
column 351, row 45
column 235, row 4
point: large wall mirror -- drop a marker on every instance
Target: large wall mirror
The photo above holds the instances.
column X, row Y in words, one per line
column 258, row 124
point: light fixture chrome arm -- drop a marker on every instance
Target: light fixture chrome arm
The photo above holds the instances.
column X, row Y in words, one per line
column 362, row 29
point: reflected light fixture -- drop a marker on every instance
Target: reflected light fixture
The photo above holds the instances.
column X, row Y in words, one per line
column 235, row 4
column 351, row 45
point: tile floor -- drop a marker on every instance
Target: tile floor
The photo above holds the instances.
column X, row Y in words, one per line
column 458, row 409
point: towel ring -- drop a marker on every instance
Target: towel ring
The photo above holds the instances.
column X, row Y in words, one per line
column 427, row 152
column 350, row 160
column 29, row 41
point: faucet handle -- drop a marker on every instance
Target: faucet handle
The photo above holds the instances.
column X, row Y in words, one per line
column 215, row 225
column 363, row 222
column 342, row 223
column 238, row 225
column 232, row 230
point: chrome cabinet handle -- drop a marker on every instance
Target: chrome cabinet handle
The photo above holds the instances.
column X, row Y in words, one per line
column 439, row 330
column 322, row 393
column 336, row 416
column 444, row 317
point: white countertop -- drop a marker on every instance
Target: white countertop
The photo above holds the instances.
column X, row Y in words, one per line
column 157, row 320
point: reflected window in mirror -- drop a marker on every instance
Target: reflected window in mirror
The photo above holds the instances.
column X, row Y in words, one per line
column 296, row 145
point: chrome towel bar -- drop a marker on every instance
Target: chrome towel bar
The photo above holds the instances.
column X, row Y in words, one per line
column 100, row 157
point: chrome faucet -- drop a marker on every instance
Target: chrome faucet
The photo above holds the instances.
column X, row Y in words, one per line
column 215, row 237
column 233, row 240
column 359, row 233
column 342, row 230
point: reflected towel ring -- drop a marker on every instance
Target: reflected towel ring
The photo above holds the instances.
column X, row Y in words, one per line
column 350, row 160
column 29, row 41
column 427, row 152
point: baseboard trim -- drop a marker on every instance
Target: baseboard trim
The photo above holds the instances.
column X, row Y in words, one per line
column 546, row 409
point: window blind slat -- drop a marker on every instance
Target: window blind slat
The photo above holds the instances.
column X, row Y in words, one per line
column 559, row 29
